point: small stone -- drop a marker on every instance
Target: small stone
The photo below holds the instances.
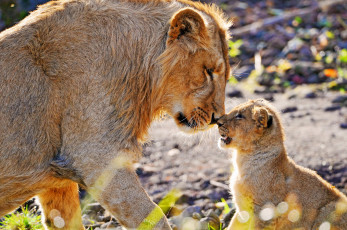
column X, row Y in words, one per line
column 332, row 108
column 189, row 211
column 292, row 96
column 227, row 218
column 111, row 225
column 96, row 207
column 86, row 222
column 210, row 221
column 95, row 226
column 293, row 45
column 205, row 184
column 185, row 199
column 290, row 109
column 269, row 97
column 298, row 80
column 235, row 93
column 343, row 125
column 173, row 152
column 311, row 95
column 342, row 44
column 103, row 218
column 196, row 216
column 340, row 99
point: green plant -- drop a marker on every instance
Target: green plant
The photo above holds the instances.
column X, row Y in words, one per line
column 343, row 56
column 226, row 209
column 212, row 228
column 26, row 220
column 235, row 47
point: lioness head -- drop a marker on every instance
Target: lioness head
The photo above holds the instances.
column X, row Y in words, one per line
column 195, row 67
column 250, row 124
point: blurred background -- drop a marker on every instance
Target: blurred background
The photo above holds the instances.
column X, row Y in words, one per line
column 292, row 53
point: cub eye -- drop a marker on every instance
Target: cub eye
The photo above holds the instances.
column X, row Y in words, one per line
column 210, row 72
column 239, row 116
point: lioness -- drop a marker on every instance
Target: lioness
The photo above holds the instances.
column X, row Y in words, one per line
column 269, row 189
column 80, row 83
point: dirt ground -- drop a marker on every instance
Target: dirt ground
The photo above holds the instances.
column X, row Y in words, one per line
column 315, row 138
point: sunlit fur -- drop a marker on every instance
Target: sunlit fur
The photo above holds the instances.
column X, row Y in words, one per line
column 80, row 83
column 264, row 176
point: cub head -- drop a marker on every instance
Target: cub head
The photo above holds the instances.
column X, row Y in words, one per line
column 195, row 67
column 250, row 124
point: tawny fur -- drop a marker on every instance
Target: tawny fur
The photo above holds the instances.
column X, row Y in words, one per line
column 264, row 177
column 80, row 83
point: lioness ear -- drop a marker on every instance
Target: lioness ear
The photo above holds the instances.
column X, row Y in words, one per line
column 261, row 117
column 187, row 26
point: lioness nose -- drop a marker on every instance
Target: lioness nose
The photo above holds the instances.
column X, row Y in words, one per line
column 213, row 119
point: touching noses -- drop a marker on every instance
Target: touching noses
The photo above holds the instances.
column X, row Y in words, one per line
column 217, row 120
column 214, row 119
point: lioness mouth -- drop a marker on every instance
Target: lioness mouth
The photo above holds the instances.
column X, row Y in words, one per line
column 226, row 140
column 184, row 121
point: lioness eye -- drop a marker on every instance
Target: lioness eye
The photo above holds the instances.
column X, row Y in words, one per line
column 210, row 72
column 239, row 116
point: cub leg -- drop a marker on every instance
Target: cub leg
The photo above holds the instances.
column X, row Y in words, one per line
column 123, row 195
column 61, row 207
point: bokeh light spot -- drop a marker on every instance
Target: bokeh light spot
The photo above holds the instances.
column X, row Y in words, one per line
column 243, row 216
column 324, row 226
column 190, row 223
column 267, row 213
column 294, row 215
column 282, row 207
column 59, row 222
column 54, row 213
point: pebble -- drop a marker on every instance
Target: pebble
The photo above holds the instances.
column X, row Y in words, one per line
column 343, row 125
column 311, row 95
column 173, row 152
column 340, row 99
column 290, row 109
column 211, row 220
column 227, row 218
column 235, row 93
column 111, row 225
column 332, row 108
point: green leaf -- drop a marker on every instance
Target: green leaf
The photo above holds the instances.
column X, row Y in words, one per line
column 298, row 20
column 226, row 206
column 343, row 56
column 233, row 80
column 235, row 47
column 329, row 34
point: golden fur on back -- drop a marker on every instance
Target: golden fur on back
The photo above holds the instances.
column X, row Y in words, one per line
column 269, row 189
column 80, row 83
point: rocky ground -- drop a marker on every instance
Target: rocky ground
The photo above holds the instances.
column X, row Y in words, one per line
column 194, row 167
column 293, row 53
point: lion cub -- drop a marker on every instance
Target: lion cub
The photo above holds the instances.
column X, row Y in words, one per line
column 270, row 190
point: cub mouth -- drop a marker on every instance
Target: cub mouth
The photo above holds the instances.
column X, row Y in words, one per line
column 225, row 139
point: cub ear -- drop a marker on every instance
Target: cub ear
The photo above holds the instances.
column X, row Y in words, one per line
column 261, row 117
column 187, row 26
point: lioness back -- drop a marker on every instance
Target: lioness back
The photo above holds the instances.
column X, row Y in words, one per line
column 80, row 83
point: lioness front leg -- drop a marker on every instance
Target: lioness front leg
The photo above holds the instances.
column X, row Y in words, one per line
column 61, row 207
column 121, row 193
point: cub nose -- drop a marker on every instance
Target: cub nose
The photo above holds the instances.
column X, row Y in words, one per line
column 213, row 120
column 221, row 121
